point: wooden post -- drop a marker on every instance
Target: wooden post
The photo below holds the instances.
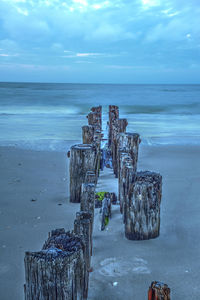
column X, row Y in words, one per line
column 57, row 271
column 132, row 142
column 95, row 117
column 158, row 291
column 123, row 161
column 118, row 127
column 83, row 157
column 113, row 115
column 83, row 227
column 90, row 177
column 88, row 134
column 122, row 123
column 143, row 207
column 88, row 199
column 128, row 144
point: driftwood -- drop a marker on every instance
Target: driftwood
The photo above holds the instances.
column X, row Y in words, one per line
column 83, row 158
column 158, row 291
column 58, row 270
column 143, row 207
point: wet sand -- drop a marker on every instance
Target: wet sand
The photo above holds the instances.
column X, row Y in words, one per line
column 35, row 199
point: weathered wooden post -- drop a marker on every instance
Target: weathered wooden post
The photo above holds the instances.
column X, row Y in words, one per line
column 158, row 291
column 83, row 227
column 88, row 134
column 122, row 123
column 118, row 126
column 57, row 271
column 128, row 144
column 125, row 160
column 95, row 117
column 132, row 142
column 113, row 116
column 90, row 177
column 143, row 207
column 83, row 157
column 88, row 199
column 128, row 180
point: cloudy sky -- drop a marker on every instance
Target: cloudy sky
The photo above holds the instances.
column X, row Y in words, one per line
column 118, row 41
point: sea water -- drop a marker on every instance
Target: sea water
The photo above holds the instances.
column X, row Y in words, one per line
column 47, row 116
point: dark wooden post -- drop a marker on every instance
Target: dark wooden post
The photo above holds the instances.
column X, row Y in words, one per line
column 88, row 134
column 83, row 157
column 113, row 115
column 57, row 271
column 83, row 227
column 95, row 117
column 158, row 291
column 143, row 208
column 122, row 123
column 118, row 127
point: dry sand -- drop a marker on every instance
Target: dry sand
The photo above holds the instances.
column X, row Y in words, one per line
column 123, row 269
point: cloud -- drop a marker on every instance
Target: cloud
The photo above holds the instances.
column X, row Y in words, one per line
column 120, row 33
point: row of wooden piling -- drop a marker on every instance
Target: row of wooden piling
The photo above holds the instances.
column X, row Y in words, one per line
column 139, row 192
column 60, row 271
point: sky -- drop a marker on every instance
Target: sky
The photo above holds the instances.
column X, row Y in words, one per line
column 100, row 41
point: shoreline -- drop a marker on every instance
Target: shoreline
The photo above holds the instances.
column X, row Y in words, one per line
column 42, row 176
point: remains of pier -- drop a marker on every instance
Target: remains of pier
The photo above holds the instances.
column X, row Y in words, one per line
column 60, row 271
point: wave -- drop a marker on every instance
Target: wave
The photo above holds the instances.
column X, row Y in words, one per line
column 83, row 109
column 191, row 108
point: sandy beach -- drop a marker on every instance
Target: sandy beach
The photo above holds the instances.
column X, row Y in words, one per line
column 35, row 200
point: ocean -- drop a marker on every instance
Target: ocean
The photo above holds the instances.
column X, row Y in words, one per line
column 45, row 116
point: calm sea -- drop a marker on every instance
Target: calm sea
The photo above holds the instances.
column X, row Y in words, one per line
column 47, row 116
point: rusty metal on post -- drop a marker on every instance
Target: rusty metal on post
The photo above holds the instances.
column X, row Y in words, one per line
column 143, row 207
column 58, row 270
column 158, row 291
column 83, row 158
